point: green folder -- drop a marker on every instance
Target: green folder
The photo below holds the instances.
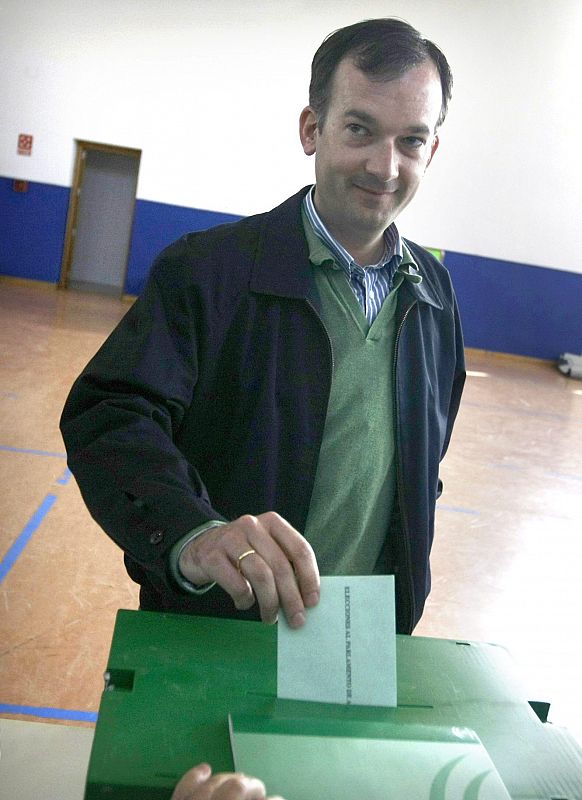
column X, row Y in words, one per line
column 309, row 759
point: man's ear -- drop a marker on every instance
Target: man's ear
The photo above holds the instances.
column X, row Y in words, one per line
column 433, row 149
column 308, row 130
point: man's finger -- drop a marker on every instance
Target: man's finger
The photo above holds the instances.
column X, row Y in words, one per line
column 191, row 781
column 300, row 554
column 259, row 574
column 229, row 786
column 207, row 562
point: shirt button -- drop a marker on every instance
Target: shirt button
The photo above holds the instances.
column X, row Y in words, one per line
column 156, row 537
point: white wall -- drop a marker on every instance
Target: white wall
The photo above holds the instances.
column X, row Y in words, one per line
column 211, row 90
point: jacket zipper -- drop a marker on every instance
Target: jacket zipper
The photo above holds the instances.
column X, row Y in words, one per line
column 406, row 536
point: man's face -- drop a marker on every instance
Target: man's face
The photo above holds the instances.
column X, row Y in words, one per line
column 377, row 140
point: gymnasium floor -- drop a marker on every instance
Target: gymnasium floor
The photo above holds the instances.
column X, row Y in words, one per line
column 506, row 561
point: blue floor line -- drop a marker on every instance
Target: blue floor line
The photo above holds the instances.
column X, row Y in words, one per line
column 9, row 449
column 49, row 713
column 458, row 510
column 564, row 476
column 65, row 477
column 30, row 528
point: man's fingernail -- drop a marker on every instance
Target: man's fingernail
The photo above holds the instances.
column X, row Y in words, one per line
column 298, row 620
column 312, row 599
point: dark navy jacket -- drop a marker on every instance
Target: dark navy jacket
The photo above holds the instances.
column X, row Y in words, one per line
column 208, row 401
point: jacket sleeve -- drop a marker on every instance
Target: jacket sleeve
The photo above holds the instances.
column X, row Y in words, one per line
column 119, row 424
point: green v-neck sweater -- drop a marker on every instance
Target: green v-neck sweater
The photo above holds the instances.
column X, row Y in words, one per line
column 355, row 482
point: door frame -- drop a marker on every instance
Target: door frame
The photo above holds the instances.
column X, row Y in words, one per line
column 83, row 147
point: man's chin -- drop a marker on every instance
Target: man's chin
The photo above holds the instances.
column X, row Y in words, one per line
column 376, row 221
column 377, row 207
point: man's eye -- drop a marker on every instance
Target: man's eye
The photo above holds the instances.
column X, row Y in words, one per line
column 414, row 141
column 357, row 130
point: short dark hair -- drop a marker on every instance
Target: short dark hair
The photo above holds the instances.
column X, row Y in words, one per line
column 384, row 49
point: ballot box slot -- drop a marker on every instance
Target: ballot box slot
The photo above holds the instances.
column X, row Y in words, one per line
column 119, row 680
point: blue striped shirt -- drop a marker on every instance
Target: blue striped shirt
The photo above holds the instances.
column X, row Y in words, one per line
column 370, row 284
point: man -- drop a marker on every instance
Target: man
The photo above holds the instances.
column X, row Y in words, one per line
column 277, row 402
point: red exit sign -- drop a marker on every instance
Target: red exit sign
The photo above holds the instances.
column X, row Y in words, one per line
column 24, row 144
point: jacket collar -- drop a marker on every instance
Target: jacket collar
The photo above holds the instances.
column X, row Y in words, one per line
column 427, row 291
column 281, row 265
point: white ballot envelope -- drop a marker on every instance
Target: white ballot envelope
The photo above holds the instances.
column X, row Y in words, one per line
column 346, row 651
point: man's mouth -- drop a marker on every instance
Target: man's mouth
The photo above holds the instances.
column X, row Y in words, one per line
column 379, row 191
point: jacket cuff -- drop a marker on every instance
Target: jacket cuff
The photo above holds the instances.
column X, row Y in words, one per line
column 176, row 552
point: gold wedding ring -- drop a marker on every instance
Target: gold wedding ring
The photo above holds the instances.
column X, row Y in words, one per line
column 244, row 555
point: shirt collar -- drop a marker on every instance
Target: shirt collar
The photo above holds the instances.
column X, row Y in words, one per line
column 392, row 239
column 320, row 252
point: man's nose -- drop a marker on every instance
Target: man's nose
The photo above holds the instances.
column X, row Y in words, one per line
column 383, row 161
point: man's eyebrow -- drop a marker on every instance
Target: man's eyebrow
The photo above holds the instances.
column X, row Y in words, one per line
column 363, row 116
column 419, row 129
column 368, row 119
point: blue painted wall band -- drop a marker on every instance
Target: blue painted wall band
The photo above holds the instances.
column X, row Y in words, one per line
column 49, row 713
column 506, row 307
column 29, row 530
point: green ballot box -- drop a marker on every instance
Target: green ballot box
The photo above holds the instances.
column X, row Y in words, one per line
column 178, row 687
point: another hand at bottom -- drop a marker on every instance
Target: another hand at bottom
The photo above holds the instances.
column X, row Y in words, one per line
column 199, row 784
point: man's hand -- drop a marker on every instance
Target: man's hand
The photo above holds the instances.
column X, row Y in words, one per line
column 281, row 572
column 197, row 784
